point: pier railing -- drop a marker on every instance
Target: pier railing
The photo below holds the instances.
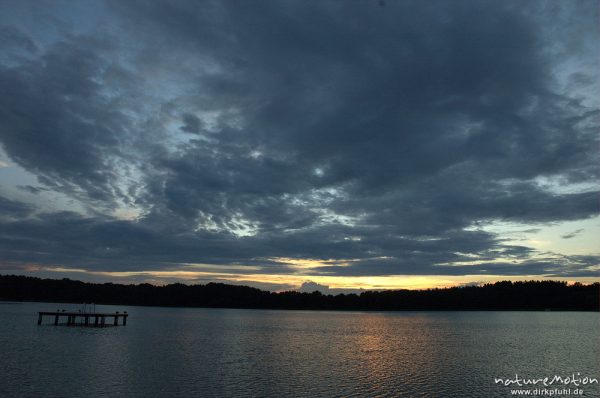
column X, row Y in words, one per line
column 84, row 319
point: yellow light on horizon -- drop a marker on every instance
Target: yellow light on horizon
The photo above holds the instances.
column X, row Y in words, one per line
column 411, row 282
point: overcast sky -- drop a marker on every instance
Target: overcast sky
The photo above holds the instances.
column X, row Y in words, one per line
column 355, row 143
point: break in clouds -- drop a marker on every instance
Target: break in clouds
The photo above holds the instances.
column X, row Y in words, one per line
column 376, row 138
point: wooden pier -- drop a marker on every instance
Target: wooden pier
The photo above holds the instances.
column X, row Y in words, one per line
column 84, row 319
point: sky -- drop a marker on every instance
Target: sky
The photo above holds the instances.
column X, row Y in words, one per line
column 312, row 145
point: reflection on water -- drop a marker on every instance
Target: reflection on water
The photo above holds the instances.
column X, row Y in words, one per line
column 213, row 352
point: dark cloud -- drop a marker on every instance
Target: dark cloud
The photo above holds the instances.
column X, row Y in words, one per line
column 12, row 38
column 192, row 124
column 240, row 132
column 32, row 189
column 13, row 209
column 572, row 234
column 55, row 121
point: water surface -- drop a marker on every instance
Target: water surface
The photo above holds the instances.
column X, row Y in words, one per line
column 247, row 353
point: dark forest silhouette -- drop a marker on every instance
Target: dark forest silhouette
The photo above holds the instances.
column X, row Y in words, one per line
column 531, row 295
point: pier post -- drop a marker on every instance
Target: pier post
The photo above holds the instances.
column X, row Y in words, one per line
column 125, row 319
column 116, row 320
column 56, row 319
column 40, row 319
column 96, row 320
column 102, row 321
column 87, row 320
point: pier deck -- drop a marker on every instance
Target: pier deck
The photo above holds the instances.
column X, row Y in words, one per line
column 84, row 319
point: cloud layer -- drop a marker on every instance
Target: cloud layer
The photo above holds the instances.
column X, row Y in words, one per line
column 376, row 138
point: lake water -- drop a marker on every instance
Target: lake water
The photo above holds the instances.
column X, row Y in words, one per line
column 191, row 352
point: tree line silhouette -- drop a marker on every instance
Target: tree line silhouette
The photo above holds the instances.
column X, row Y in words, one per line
column 506, row 295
